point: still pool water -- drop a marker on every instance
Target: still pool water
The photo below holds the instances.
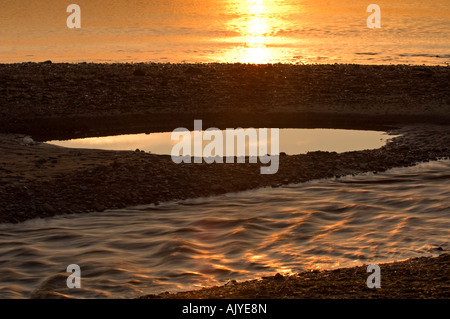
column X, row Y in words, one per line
column 291, row 141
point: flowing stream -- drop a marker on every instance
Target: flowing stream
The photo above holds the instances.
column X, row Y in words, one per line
column 322, row 224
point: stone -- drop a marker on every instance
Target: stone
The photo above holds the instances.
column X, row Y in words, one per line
column 278, row 277
column 49, row 208
column 99, row 207
column 28, row 140
column 231, row 283
column 139, row 72
column 193, row 71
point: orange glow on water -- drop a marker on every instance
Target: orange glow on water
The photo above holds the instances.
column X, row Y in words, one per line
column 254, row 32
column 247, row 31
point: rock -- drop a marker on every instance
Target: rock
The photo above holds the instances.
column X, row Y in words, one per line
column 193, row 71
column 231, row 283
column 99, row 207
column 49, row 208
column 28, row 141
column 139, row 72
column 278, row 277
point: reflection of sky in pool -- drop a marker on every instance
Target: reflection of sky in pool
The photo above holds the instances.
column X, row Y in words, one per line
column 292, row 141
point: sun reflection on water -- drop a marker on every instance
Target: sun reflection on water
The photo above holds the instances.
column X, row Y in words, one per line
column 257, row 23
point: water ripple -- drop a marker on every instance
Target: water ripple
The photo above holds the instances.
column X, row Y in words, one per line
column 320, row 224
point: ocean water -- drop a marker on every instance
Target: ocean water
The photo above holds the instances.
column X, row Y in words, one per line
column 322, row 224
column 248, row 31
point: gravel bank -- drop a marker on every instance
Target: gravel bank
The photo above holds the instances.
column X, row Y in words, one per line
column 416, row 278
column 41, row 180
column 51, row 101
column 55, row 101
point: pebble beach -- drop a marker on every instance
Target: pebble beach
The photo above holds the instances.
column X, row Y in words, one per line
column 43, row 101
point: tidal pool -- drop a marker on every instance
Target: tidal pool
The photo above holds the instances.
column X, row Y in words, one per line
column 291, row 141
